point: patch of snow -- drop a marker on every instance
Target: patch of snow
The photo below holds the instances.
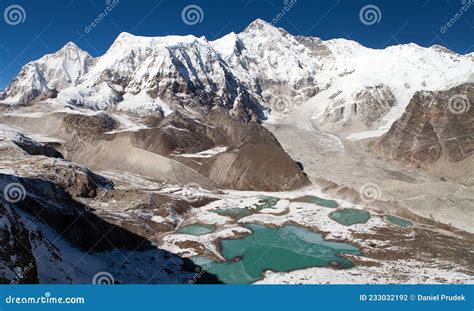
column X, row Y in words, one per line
column 142, row 103
column 204, row 154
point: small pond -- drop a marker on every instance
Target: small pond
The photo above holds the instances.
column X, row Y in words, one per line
column 316, row 200
column 404, row 223
column 237, row 213
column 196, row 229
column 350, row 216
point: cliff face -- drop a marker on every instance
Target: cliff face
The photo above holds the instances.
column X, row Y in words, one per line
column 435, row 125
column 17, row 262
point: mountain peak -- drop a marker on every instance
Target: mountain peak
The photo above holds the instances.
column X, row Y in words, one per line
column 441, row 49
column 127, row 40
column 70, row 44
column 259, row 25
column 124, row 35
column 259, row 22
column 68, row 48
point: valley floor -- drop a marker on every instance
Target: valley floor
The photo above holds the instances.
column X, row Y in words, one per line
column 446, row 199
column 430, row 251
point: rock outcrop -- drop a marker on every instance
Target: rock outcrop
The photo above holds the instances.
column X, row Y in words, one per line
column 35, row 148
column 435, row 125
column 45, row 234
column 252, row 160
column 17, row 262
column 249, row 157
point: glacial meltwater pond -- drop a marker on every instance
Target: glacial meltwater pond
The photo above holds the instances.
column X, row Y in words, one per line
column 278, row 249
column 350, row 216
column 399, row 221
column 316, row 200
column 196, row 229
column 237, row 213
column 266, row 202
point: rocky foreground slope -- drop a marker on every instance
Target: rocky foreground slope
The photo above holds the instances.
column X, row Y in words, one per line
column 50, row 234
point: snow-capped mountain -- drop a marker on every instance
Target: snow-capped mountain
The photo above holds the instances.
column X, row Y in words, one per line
column 336, row 85
column 147, row 74
column 274, row 63
column 368, row 78
column 51, row 72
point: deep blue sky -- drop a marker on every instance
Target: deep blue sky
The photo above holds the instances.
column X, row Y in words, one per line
column 49, row 24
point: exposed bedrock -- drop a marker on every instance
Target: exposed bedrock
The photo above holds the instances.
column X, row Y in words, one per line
column 251, row 157
column 435, row 126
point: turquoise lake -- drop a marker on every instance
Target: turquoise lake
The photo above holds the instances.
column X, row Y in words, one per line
column 399, row 221
column 278, row 249
column 350, row 216
column 196, row 229
column 316, row 200
column 237, row 213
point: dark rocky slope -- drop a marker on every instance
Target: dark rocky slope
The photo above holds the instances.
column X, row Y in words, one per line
column 253, row 159
column 27, row 247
